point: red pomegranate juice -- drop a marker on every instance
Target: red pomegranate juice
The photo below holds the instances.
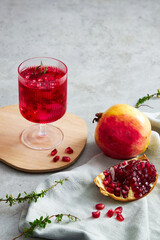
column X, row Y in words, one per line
column 42, row 93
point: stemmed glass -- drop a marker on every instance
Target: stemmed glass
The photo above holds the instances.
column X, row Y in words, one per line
column 42, row 100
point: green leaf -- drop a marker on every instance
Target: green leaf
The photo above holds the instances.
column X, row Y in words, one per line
column 30, row 197
column 45, row 70
column 59, row 217
column 19, row 195
column 146, row 98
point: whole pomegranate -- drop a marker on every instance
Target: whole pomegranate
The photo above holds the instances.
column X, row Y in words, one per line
column 122, row 132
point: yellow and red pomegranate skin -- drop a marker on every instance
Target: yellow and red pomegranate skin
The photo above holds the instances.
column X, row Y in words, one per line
column 123, row 132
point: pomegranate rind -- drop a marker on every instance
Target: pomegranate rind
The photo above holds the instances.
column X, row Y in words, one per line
column 99, row 182
column 122, row 132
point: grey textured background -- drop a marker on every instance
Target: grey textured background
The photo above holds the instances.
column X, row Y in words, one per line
column 111, row 48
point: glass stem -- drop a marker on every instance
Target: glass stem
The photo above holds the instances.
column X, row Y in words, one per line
column 42, row 130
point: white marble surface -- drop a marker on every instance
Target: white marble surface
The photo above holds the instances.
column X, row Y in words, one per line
column 111, row 49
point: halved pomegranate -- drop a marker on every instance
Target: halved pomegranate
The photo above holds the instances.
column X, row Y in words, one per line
column 129, row 180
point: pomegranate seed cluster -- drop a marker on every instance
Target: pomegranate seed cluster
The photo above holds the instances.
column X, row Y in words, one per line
column 56, row 158
column 110, row 213
column 134, row 174
column 118, row 212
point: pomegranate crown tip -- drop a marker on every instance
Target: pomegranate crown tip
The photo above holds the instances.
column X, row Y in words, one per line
column 98, row 116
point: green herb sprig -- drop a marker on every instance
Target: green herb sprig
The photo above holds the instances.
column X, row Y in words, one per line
column 43, row 69
column 42, row 222
column 29, row 197
column 146, row 98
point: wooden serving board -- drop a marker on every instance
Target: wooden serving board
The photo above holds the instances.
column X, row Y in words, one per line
column 15, row 154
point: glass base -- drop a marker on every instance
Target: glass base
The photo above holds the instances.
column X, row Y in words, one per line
column 33, row 136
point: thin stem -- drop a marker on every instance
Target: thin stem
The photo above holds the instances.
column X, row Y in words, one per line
column 67, row 215
column 20, row 235
column 32, row 196
column 40, row 222
column 146, row 98
column 144, row 105
column 42, row 130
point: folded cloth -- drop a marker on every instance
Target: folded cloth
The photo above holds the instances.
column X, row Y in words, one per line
column 78, row 197
column 154, row 119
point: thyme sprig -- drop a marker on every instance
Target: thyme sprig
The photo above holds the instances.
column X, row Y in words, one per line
column 43, row 69
column 42, row 222
column 31, row 196
column 146, row 98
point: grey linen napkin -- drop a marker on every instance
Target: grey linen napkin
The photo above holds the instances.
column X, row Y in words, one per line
column 78, row 197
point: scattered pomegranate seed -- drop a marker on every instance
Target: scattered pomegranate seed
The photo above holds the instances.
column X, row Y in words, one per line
column 66, row 159
column 118, row 210
column 54, row 152
column 56, row 158
column 96, row 214
column 110, row 213
column 100, row 206
column 69, row 150
column 119, row 217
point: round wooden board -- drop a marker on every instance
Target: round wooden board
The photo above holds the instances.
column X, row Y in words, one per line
column 15, row 154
